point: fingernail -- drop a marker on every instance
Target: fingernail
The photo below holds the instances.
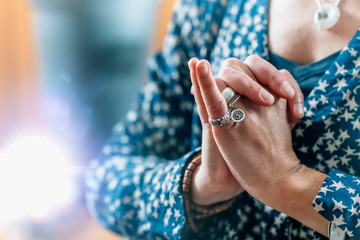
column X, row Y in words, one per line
column 189, row 63
column 287, row 89
column 266, row 96
column 203, row 68
column 299, row 108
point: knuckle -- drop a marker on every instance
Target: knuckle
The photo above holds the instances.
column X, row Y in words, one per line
column 252, row 59
column 287, row 75
column 226, row 70
column 246, row 87
column 216, row 107
column 232, row 62
column 228, row 74
column 274, row 78
column 220, row 83
column 285, row 72
column 249, row 85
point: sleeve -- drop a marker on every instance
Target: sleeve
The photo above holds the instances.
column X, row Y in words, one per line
column 339, row 201
column 133, row 187
column 339, row 197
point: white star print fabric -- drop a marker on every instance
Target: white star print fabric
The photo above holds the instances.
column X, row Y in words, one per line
column 339, row 202
column 134, row 188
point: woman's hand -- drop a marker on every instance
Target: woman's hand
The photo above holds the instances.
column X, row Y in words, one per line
column 259, row 154
column 213, row 181
column 249, row 78
column 257, row 150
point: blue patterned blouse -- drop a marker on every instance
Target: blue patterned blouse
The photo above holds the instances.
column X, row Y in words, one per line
column 134, row 188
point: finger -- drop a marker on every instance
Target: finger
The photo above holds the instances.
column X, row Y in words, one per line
column 214, row 101
column 268, row 75
column 196, row 91
column 236, row 64
column 220, row 83
column 296, row 104
column 282, row 83
column 243, row 84
column 237, row 75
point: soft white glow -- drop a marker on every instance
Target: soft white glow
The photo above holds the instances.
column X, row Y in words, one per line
column 34, row 178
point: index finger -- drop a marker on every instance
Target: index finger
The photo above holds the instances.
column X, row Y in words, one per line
column 214, row 101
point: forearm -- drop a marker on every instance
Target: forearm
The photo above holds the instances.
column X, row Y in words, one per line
column 125, row 194
column 299, row 193
column 294, row 195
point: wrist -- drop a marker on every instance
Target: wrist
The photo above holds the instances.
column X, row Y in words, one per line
column 206, row 190
column 195, row 211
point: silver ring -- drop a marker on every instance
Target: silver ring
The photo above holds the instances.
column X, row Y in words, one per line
column 228, row 94
column 219, row 121
column 236, row 115
column 233, row 102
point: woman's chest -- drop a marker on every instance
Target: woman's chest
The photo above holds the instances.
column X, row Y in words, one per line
column 293, row 34
column 284, row 27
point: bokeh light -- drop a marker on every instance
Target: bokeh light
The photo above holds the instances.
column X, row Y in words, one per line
column 34, row 179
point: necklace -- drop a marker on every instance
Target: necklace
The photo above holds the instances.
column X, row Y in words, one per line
column 327, row 14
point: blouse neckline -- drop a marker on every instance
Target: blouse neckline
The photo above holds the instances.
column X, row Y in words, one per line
column 355, row 39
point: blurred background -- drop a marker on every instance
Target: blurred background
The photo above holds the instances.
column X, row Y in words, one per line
column 68, row 72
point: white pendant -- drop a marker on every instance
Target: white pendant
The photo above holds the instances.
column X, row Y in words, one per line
column 327, row 16
column 237, row 115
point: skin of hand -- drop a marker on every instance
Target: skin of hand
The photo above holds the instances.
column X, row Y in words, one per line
column 248, row 78
column 259, row 153
column 213, row 181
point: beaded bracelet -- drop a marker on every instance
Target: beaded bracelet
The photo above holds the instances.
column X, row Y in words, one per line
column 195, row 211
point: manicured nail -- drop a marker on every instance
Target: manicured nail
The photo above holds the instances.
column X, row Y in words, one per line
column 299, row 108
column 203, row 68
column 287, row 89
column 266, row 96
